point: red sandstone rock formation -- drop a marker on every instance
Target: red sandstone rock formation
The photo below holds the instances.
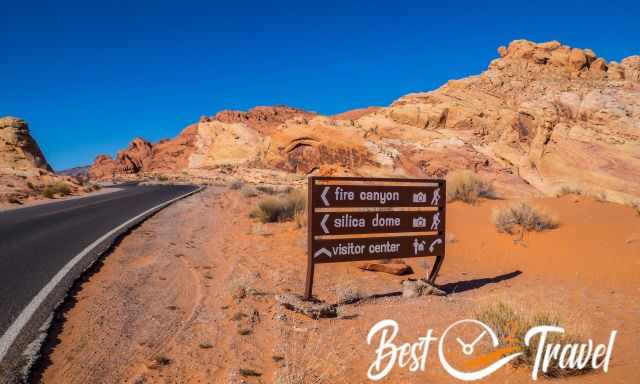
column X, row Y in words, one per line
column 541, row 117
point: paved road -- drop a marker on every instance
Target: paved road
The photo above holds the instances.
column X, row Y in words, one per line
column 37, row 242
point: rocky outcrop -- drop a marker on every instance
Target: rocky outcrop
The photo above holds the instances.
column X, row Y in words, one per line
column 18, row 150
column 164, row 157
column 542, row 116
column 24, row 171
column 262, row 119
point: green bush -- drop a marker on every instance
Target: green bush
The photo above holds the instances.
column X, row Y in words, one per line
column 277, row 209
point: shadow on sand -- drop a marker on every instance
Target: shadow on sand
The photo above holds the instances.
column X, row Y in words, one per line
column 467, row 285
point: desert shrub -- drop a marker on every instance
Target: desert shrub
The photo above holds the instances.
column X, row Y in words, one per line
column 248, row 191
column 511, row 327
column 162, row 178
column 48, row 193
column 569, row 190
column 522, row 215
column 300, row 219
column 277, row 209
column 273, row 190
column 468, row 187
column 60, row 187
column 298, row 354
column 236, row 184
column 30, row 185
column 268, row 189
column 349, row 295
column 600, row 197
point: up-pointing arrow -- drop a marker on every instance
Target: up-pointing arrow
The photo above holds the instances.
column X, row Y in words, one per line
column 322, row 251
column 323, row 196
column 323, row 223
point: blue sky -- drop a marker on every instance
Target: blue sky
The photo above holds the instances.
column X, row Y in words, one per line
column 90, row 76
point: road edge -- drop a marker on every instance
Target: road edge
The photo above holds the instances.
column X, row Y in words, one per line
column 106, row 241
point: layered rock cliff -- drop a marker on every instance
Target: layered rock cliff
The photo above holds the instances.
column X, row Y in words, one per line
column 24, row 171
column 541, row 117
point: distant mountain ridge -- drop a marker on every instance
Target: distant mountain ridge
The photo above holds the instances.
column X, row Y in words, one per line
column 81, row 171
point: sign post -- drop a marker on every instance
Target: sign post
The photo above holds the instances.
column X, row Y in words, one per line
column 354, row 219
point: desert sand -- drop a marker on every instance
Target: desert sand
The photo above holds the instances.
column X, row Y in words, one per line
column 188, row 297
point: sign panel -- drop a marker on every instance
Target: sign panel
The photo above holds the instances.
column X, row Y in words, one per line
column 325, row 196
column 373, row 248
column 353, row 219
column 342, row 223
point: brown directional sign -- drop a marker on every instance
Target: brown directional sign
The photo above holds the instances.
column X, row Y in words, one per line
column 342, row 223
column 353, row 219
column 422, row 195
column 372, row 248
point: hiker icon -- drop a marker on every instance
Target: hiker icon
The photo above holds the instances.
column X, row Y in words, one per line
column 436, row 197
column 436, row 221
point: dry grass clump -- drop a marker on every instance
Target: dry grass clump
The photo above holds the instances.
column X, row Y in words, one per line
column 570, row 190
column 273, row 189
column 349, row 295
column 278, row 209
column 468, row 187
column 511, row 327
column 248, row 191
column 523, row 215
column 299, row 347
column 600, row 196
column 59, row 188
column 89, row 187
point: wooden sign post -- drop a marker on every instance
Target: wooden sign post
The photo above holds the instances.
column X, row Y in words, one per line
column 354, row 219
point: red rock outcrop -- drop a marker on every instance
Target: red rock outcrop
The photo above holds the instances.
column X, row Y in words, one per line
column 166, row 156
column 541, row 117
column 18, row 150
column 24, row 171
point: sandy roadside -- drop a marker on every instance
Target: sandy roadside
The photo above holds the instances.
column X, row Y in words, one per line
column 188, row 297
column 33, row 203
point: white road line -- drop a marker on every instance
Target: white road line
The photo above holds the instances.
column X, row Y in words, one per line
column 9, row 337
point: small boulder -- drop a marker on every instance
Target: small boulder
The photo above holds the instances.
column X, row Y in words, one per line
column 392, row 268
column 415, row 288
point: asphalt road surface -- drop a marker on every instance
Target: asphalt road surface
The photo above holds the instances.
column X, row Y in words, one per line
column 37, row 242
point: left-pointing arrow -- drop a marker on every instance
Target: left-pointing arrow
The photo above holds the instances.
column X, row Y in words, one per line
column 323, row 223
column 323, row 196
column 322, row 251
